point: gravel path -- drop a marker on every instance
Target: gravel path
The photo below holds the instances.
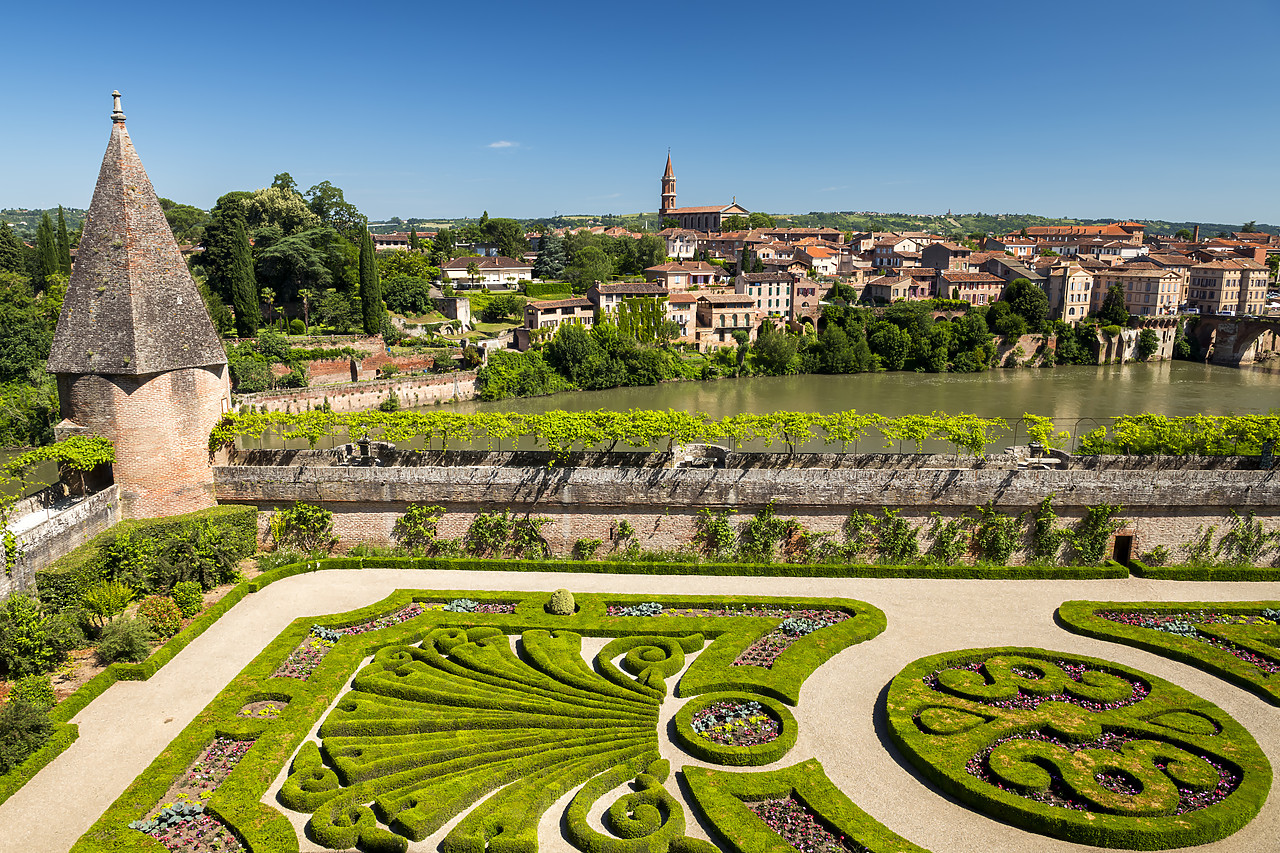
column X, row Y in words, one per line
column 123, row 730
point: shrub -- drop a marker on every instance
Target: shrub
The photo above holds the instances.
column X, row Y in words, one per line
column 125, row 639
column 129, row 558
column 164, row 616
column 303, row 526
column 561, row 603
column 297, row 327
column 106, row 600
column 189, row 597
column 995, row 534
column 26, row 646
column 24, row 728
column 35, row 690
column 416, row 530
column 487, row 535
column 270, row 560
column 1157, row 556
column 585, row 549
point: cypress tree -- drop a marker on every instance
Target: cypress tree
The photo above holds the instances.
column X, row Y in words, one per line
column 244, row 287
column 64, row 244
column 370, row 289
column 12, row 254
column 46, row 249
column 413, row 239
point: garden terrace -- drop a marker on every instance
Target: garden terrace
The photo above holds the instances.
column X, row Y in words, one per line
column 207, row 683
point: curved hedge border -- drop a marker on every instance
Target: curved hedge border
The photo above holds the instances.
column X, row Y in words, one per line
column 1079, row 616
column 735, row 756
column 944, row 727
column 719, row 795
column 262, row 828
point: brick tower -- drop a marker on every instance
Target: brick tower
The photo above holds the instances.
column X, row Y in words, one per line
column 668, row 190
column 137, row 358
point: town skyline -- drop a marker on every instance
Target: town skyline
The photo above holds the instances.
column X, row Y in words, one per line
column 574, row 109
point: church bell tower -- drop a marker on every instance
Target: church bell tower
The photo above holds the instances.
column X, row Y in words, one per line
column 668, row 191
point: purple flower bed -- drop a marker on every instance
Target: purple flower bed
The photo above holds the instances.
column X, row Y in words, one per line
column 1026, row 700
column 1183, row 625
column 801, row 828
column 735, row 723
column 798, row 623
column 1058, row 794
column 303, row 660
column 404, row 614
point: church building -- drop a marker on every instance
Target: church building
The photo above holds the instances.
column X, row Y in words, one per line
column 695, row 218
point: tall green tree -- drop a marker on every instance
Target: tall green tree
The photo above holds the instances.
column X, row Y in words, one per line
column 551, row 258
column 507, row 235
column 414, row 243
column 46, row 249
column 370, row 290
column 12, row 254
column 244, row 287
column 64, row 244
column 1028, row 301
column 1113, row 311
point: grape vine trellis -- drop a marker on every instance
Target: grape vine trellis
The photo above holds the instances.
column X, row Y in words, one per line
column 562, row 431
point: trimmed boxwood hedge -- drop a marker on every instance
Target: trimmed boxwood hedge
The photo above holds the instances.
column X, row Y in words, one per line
column 262, row 828
column 735, row 756
column 62, row 583
column 1205, row 573
column 945, row 717
column 721, row 797
column 1079, row 616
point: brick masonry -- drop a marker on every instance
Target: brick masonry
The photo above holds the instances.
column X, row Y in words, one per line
column 160, row 428
column 1161, row 507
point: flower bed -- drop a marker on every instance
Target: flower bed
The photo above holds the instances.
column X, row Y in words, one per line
column 764, row 651
column 1078, row 748
column 737, row 729
column 304, row 659
column 735, row 722
column 181, row 823
column 1235, row 640
column 800, row 827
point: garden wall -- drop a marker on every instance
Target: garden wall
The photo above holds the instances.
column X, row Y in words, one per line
column 362, row 396
column 1161, row 507
column 60, row 534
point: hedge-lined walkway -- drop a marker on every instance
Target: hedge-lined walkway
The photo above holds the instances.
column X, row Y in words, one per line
column 123, row 730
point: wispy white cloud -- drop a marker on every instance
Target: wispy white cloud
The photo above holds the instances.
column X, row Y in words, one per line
column 504, row 143
column 833, row 189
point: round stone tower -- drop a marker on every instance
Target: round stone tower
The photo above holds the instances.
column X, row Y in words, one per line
column 137, row 358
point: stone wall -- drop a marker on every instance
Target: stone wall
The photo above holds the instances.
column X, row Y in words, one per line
column 60, row 533
column 1161, row 507
column 362, row 396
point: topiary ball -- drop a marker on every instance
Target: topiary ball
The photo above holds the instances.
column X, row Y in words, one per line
column 561, row 603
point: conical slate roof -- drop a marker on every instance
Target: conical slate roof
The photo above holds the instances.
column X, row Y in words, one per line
column 131, row 305
column 669, row 173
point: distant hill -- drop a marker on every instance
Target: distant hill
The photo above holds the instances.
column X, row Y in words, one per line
column 26, row 221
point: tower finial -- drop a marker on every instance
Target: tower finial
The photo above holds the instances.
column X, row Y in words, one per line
column 117, row 115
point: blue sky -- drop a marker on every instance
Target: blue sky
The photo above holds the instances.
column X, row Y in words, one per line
column 1126, row 108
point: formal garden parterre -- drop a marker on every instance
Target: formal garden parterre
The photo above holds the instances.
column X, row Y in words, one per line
column 449, row 710
column 1078, row 748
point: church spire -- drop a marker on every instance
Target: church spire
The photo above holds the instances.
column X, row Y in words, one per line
column 668, row 190
column 131, row 305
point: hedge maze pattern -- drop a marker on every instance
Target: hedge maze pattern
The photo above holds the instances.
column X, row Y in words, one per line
column 1078, row 748
column 1238, row 641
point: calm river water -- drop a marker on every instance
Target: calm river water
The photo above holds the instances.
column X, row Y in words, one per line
column 1063, row 393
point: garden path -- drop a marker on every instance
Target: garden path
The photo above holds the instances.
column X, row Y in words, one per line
column 123, row 730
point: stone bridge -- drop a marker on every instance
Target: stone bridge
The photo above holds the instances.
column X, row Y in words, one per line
column 1232, row 340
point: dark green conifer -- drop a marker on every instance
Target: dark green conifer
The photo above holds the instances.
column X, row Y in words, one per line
column 370, row 288
column 12, row 253
column 64, row 244
column 244, row 287
column 46, row 249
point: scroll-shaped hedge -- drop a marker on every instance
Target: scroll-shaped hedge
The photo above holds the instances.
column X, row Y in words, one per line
column 1078, row 748
column 1234, row 640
